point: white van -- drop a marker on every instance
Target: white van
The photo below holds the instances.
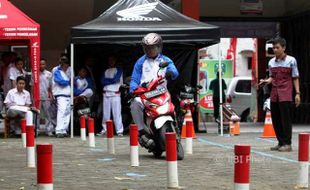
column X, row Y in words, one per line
column 239, row 96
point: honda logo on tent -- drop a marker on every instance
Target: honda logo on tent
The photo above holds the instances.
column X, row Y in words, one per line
column 138, row 13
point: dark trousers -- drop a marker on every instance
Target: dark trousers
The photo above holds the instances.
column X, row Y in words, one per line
column 216, row 106
column 282, row 121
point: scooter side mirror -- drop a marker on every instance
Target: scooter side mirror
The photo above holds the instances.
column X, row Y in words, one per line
column 163, row 64
column 199, row 87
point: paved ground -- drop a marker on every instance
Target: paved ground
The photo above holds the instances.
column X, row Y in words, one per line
column 76, row 166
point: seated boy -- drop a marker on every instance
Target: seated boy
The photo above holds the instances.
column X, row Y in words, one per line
column 18, row 105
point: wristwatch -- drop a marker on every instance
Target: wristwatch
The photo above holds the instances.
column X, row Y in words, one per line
column 297, row 92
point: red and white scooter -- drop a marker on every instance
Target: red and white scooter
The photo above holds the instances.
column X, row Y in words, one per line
column 159, row 115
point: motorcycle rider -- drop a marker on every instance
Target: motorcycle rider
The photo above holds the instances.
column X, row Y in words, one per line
column 145, row 70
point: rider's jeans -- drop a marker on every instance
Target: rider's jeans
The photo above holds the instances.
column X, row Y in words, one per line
column 137, row 112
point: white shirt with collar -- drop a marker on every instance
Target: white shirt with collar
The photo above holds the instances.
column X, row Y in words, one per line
column 14, row 73
column 15, row 98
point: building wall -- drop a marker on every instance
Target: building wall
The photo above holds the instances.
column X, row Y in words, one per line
column 245, row 48
column 58, row 16
column 231, row 8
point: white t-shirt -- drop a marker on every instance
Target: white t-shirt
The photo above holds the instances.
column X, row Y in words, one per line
column 14, row 73
column 15, row 98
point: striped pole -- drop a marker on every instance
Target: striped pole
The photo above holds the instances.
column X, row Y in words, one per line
column 30, row 147
column 45, row 167
column 189, row 138
column 23, row 129
column 171, row 157
column 83, row 127
column 242, row 167
column 134, row 147
column 303, row 158
column 91, row 132
column 110, row 137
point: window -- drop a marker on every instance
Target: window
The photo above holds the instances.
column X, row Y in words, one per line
column 243, row 86
column 249, row 63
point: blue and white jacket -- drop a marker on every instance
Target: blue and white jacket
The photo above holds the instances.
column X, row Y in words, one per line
column 145, row 70
column 61, row 83
column 81, row 84
column 111, row 80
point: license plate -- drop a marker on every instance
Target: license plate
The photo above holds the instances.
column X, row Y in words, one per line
column 186, row 95
column 154, row 93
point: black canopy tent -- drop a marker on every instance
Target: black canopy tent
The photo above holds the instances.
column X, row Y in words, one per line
column 121, row 28
column 127, row 21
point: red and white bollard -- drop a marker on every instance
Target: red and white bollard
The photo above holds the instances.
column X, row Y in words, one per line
column 23, row 129
column 303, row 158
column 30, row 147
column 171, row 157
column 242, row 167
column 110, row 137
column 45, row 167
column 189, row 138
column 134, row 146
column 83, row 127
column 91, row 132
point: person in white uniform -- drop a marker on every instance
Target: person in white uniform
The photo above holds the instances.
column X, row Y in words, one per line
column 18, row 104
column 46, row 96
column 145, row 70
column 111, row 81
column 16, row 71
column 61, row 92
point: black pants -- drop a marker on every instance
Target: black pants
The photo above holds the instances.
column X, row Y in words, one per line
column 216, row 106
column 282, row 121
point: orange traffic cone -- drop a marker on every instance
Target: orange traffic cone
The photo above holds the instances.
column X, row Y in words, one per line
column 268, row 128
column 188, row 117
column 234, row 128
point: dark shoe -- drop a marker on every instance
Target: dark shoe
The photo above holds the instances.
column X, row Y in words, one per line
column 50, row 134
column 59, row 135
column 101, row 134
column 275, row 148
column 286, row 148
column 65, row 135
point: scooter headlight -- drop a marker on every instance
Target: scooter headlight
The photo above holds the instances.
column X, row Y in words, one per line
column 150, row 104
column 164, row 108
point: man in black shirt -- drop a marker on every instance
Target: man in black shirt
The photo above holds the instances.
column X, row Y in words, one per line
column 215, row 87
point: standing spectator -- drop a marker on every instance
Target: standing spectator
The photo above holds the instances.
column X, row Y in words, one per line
column 215, row 87
column 18, row 103
column 9, row 61
column 46, row 96
column 16, row 71
column 111, row 81
column 61, row 91
column 284, row 73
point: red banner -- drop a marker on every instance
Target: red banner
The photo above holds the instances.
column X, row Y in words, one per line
column 231, row 53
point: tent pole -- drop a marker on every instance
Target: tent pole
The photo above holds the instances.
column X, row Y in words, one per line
column 72, row 81
column 221, row 94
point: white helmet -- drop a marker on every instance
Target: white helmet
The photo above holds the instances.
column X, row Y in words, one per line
column 151, row 40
